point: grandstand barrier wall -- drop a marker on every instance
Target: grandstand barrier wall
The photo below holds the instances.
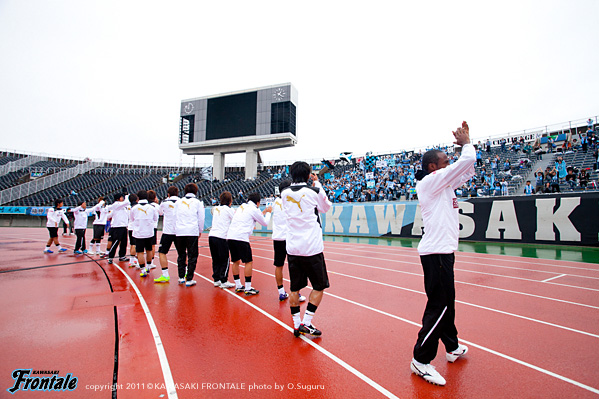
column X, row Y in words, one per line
column 560, row 219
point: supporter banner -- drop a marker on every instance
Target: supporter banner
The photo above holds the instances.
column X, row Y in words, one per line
column 566, row 219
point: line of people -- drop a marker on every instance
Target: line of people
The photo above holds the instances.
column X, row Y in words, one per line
column 297, row 237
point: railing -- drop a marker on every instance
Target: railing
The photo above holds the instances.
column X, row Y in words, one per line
column 34, row 186
column 21, row 164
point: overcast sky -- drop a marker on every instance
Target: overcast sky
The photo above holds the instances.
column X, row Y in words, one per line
column 105, row 79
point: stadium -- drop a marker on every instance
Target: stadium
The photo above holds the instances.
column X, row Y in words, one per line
column 340, row 172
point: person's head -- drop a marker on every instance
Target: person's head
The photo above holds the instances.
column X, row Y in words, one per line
column 433, row 160
column 58, row 203
column 172, row 191
column 119, row 197
column 255, row 198
column 284, row 184
column 142, row 195
column 82, row 204
column 191, row 188
column 151, row 196
column 528, row 182
column 300, row 172
column 226, row 198
column 133, row 199
column 100, row 199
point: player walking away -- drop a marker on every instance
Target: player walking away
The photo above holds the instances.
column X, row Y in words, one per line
column 99, row 225
column 238, row 239
column 189, row 224
column 132, row 248
column 435, row 188
column 279, row 237
column 143, row 216
column 80, row 214
column 153, row 200
column 217, row 240
column 118, row 228
column 167, row 210
column 54, row 216
column 301, row 203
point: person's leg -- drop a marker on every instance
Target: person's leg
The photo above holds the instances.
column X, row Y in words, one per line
column 192, row 259
column 181, row 257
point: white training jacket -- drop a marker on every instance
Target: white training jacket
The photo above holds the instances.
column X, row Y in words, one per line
column 119, row 215
column 302, row 204
column 54, row 216
column 221, row 220
column 439, row 205
column 143, row 216
column 244, row 221
column 279, row 221
column 167, row 210
column 103, row 213
column 189, row 214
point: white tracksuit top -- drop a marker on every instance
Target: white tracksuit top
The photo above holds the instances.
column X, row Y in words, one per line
column 439, row 205
column 221, row 220
column 244, row 221
column 54, row 216
column 279, row 221
column 189, row 213
column 143, row 217
column 167, row 210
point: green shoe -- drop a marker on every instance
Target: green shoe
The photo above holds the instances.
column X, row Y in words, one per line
column 143, row 273
column 162, row 279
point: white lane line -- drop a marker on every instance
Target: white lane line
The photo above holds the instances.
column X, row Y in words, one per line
column 507, row 357
column 166, row 370
column 309, row 342
column 463, row 282
column 553, row 278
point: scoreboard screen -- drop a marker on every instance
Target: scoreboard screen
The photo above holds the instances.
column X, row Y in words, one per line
column 231, row 116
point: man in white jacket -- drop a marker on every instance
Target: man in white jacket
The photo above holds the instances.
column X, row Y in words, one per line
column 54, row 215
column 143, row 216
column 99, row 225
column 436, row 184
column 189, row 224
column 167, row 210
column 217, row 240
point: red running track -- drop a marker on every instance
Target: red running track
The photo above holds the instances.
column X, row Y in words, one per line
column 531, row 326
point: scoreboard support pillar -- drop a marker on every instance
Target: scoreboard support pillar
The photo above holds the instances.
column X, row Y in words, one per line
column 251, row 163
column 218, row 166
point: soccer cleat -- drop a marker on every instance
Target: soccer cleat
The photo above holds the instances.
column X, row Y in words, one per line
column 309, row 330
column 190, row 283
column 104, row 255
column 454, row 355
column 296, row 332
column 48, row 251
column 77, row 252
column 162, row 279
column 302, row 298
column 239, row 289
column 181, row 281
column 110, row 261
column 428, row 372
column 216, row 284
column 283, row 296
column 251, row 291
column 226, row 285
column 62, row 250
column 123, row 259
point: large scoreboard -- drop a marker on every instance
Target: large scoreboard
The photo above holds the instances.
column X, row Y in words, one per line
column 237, row 116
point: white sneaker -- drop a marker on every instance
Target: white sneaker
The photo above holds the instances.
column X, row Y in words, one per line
column 217, row 283
column 190, row 283
column 453, row 356
column 91, row 253
column 152, row 266
column 302, row 298
column 428, row 372
column 227, row 285
column 181, row 281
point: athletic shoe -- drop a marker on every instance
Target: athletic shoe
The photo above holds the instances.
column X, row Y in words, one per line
column 240, row 289
column 85, row 251
column 181, row 281
column 104, row 255
column 110, row 261
column 428, row 372
column 62, row 250
column 190, row 283
column 123, row 259
column 216, row 284
column 302, row 298
column 48, row 251
column 226, row 285
column 296, row 332
column 77, row 252
column 283, row 296
column 91, row 253
column 131, row 264
column 251, row 291
column 144, row 273
column 152, row 266
column 162, row 279
column 453, row 356
column 309, row 330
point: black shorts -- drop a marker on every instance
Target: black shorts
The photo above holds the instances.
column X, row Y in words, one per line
column 166, row 240
column 131, row 238
column 154, row 239
column 98, row 231
column 304, row 268
column 53, row 232
column 142, row 244
column 240, row 250
column 280, row 248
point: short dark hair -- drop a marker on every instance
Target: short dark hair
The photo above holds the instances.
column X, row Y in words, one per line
column 172, row 191
column 300, row 172
column 226, row 198
column 133, row 198
column 284, row 184
column 142, row 194
column 118, row 196
column 151, row 195
column 80, row 202
column 57, row 202
column 191, row 188
column 254, row 197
